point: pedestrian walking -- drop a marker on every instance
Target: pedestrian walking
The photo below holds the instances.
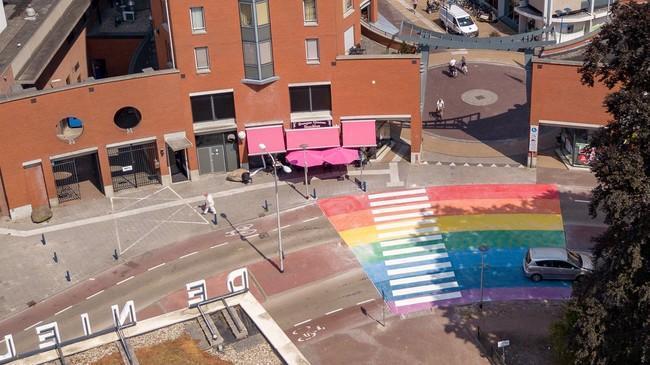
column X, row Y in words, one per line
column 208, row 205
column 415, row 5
column 440, row 107
column 453, row 71
column 463, row 65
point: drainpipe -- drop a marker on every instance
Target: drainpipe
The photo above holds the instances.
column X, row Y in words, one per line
column 169, row 30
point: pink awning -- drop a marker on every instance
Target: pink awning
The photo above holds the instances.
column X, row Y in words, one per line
column 359, row 133
column 326, row 137
column 271, row 136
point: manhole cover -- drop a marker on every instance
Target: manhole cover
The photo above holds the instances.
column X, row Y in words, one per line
column 479, row 97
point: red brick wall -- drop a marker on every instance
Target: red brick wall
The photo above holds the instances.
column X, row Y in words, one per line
column 558, row 95
column 63, row 64
column 116, row 51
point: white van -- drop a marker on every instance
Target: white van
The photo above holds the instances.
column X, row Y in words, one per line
column 456, row 20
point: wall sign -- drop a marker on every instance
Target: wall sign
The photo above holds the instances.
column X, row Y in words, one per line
column 534, row 135
column 311, row 124
column 127, row 168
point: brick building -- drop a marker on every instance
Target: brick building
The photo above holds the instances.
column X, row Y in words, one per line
column 239, row 74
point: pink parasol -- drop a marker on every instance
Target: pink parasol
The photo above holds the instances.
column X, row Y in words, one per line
column 340, row 156
column 305, row 158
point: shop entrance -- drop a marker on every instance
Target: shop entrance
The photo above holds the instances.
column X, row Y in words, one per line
column 77, row 177
column 217, row 152
column 134, row 165
column 178, row 165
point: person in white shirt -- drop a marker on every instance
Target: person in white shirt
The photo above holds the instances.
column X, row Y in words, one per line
column 208, row 204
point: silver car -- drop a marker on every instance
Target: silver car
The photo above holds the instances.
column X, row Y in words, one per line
column 556, row 263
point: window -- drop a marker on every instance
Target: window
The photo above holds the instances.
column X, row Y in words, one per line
column 309, row 10
column 310, row 98
column 256, row 41
column 246, row 14
column 212, row 107
column 348, row 6
column 202, row 59
column 262, row 13
column 198, row 20
column 311, row 47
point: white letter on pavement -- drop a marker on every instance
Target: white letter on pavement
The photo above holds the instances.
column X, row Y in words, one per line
column 48, row 335
column 196, row 292
column 128, row 312
column 233, row 275
column 11, row 348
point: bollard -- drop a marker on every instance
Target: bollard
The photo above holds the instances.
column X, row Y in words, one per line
column 43, row 239
column 314, row 195
column 364, row 186
column 266, row 205
column 55, row 258
column 67, row 275
column 215, row 219
column 115, row 254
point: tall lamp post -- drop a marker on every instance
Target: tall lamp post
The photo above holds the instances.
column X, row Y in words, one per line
column 483, row 249
column 277, row 202
column 304, row 160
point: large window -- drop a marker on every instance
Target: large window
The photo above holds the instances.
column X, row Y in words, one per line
column 311, row 48
column 206, row 108
column 309, row 10
column 202, row 59
column 348, row 6
column 257, row 47
column 310, row 98
column 198, row 20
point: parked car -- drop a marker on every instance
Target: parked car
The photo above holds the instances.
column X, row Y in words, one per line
column 556, row 263
column 458, row 21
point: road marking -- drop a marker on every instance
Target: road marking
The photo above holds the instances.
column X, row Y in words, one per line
column 404, row 241
column 401, row 208
column 417, row 279
column 408, row 250
column 426, row 213
column 396, row 193
column 32, row 326
column 365, row 301
column 415, row 223
column 99, row 292
column 62, row 310
column 188, row 255
column 157, row 266
column 303, row 322
column 407, row 232
column 408, row 260
column 125, row 280
column 334, row 311
column 91, row 279
column 382, row 203
column 287, row 226
column 251, row 236
column 425, row 288
column 310, row 219
column 427, row 298
column 219, row 245
column 582, row 201
column 412, row 269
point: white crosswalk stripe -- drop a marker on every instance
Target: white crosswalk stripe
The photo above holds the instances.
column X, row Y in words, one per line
column 408, row 260
column 404, row 241
column 415, row 249
column 388, row 218
column 423, row 222
column 392, row 194
column 421, row 278
column 428, row 299
column 413, row 199
column 425, row 288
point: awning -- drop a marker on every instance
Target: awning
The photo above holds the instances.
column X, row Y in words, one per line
column 272, row 136
column 359, row 133
column 326, row 137
column 178, row 143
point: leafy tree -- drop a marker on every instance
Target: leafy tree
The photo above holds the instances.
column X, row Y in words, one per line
column 611, row 309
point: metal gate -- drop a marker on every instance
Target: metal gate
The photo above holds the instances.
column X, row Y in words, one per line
column 66, row 180
column 133, row 166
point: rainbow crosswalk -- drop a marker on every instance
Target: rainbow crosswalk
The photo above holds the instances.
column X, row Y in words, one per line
column 420, row 246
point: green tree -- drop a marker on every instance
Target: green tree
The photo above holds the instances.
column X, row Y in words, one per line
column 611, row 309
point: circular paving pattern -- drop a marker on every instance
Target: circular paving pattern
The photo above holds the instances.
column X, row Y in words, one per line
column 479, row 97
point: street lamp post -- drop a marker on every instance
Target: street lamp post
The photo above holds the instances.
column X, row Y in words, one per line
column 304, row 160
column 483, row 249
column 277, row 203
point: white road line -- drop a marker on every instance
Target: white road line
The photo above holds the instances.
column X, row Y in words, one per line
column 91, row 279
column 252, row 235
column 397, row 193
column 310, row 219
column 425, row 288
column 188, row 255
column 415, row 223
column 334, row 311
column 99, row 292
column 401, row 208
column 582, row 201
column 287, row 226
column 32, row 326
column 407, row 232
column 62, row 310
column 219, row 245
column 386, row 218
column 408, row 260
column 404, row 241
column 420, row 278
column 303, row 322
column 428, row 298
column 382, row 203
column 365, row 301
column 157, row 266
column 412, row 269
column 125, row 280
column 415, row 249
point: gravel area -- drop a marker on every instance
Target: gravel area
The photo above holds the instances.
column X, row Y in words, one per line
column 257, row 352
column 158, row 336
column 93, row 354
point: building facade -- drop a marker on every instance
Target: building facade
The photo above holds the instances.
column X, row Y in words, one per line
column 240, row 73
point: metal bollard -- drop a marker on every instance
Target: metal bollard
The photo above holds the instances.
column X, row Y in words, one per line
column 55, row 258
column 116, row 255
column 43, row 239
column 67, row 275
column 266, row 205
